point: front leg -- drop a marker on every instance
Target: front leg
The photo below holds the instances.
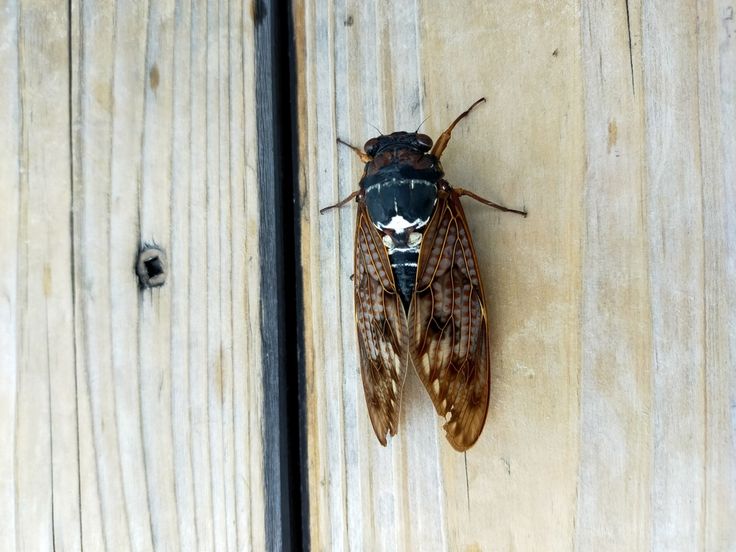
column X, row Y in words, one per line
column 341, row 202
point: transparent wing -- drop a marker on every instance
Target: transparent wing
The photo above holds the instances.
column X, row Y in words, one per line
column 448, row 324
column 383, row 336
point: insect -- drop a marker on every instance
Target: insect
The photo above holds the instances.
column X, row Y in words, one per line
column 418, row 293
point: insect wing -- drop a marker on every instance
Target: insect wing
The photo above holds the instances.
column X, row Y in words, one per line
column 383, row 337
column 448, row 325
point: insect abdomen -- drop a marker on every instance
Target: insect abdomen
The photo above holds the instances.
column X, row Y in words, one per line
column 404, row 266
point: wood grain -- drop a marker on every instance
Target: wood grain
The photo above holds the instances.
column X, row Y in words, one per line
column 129, row 419
column 612, row 405
column 39, row 489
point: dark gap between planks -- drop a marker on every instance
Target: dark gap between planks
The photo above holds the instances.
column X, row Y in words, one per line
column 284, row 406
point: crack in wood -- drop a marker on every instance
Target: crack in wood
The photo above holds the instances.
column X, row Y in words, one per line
column 631, row 55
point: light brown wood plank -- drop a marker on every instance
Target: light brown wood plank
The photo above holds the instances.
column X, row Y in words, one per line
column 526, row 149
column 611, row 423
column 615, row 387
column 676, row 263
column 129, row 419
column 39, row 493
column 165, row 154
column 10, row 119
column 717, row 113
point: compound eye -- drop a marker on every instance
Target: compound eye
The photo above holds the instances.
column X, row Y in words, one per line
column 424, row 141
column 370, row 146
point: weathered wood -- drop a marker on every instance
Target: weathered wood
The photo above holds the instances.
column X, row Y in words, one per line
column 129, row 419
column 39, row 487
column 612, row 306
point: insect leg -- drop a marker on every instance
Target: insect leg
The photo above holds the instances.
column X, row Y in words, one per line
column 461, row 192
column 364, row 157
column 340, row 203
column 444, row 138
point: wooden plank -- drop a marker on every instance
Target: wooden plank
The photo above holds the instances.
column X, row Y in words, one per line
column 129, row 418
column 611, row 424
column 689, row 174
column 676, row 273
column 39, row 498
column 10, row 144
column 615, row 381
column 165, row 149
column 717, row 112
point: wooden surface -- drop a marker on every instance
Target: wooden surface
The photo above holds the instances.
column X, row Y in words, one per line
column 612, row 423
column 129, row 420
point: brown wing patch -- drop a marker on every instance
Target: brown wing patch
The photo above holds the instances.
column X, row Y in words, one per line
column 383, row 337
column 448, row 325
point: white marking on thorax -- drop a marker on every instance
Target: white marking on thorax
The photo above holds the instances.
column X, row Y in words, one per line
column 399, row 223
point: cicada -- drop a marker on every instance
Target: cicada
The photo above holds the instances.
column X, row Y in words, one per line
column 418, row 292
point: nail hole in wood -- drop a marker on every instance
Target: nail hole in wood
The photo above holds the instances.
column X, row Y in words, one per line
column 151, row 267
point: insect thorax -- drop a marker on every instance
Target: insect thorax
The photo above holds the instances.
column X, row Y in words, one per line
column 400, row 206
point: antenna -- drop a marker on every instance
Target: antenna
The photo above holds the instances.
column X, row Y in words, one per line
column 380, row 132
column 420, row 124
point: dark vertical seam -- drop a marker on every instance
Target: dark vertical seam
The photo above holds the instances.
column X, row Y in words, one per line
column 268, row 284
column 467, row 481
column 172, row 187
column 72, row 240
column 231, row 251
column 298, row 416
column 631, row 54
column 281, row 313
column 141, row 296
column 269, row 123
